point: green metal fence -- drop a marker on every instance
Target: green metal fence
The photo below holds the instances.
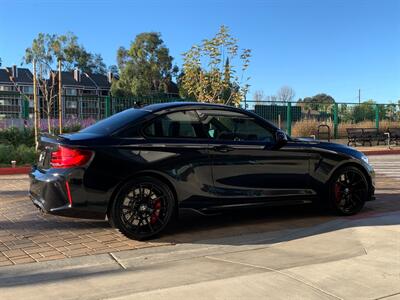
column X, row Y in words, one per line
column 303, row 119
column 297, row 118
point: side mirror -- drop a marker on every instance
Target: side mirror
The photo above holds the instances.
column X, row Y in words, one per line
column 280, row 139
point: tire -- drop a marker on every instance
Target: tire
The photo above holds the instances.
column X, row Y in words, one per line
column 143, row 208
column 348, row 191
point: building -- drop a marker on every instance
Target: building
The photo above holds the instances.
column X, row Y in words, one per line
column 16, row 85
column 83, row 93
column 77, row 83
column 14, row 79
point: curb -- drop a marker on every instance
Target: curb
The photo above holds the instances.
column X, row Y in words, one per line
column 381, row 152
column 15, row 171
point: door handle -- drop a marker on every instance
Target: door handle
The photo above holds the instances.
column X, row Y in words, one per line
column 223, row 148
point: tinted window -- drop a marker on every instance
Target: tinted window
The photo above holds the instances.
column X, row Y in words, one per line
column 115, row 122
column 232, row 126
column 184, row 124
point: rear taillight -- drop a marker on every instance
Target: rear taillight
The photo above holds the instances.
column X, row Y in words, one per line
column 67, row 157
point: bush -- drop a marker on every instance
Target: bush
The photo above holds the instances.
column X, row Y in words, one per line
column 6, row 154
column 305, row 128
column 71, row 128
column 22, row 154
column 25, row 155
column 16, row 137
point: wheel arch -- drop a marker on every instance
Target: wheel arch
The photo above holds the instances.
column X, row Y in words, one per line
column 152, row 174
column 356, row 165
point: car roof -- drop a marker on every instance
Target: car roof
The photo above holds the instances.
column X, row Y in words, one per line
column 196, row 105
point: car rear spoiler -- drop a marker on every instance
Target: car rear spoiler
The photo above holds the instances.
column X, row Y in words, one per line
column 52, row 140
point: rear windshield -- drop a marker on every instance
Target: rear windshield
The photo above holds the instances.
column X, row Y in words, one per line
column 115, row 122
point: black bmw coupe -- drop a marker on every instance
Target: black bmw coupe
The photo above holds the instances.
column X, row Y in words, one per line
column 141, row 166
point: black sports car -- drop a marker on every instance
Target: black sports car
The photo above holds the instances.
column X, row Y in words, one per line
column 140, row 166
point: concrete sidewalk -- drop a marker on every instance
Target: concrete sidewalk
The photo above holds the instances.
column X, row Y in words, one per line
column 341, row 259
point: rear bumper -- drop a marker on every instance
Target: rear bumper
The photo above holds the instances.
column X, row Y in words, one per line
column 48, row 191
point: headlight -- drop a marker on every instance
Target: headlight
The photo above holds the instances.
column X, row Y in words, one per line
column 365, row 159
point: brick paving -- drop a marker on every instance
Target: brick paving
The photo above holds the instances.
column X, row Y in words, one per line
column 28, row 236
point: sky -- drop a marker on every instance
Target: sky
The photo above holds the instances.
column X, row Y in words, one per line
column 330, row 46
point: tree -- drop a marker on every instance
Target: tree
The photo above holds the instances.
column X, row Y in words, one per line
column 364, row 112
column 145, row 68
column 390, row 111
column 47, row 50
column 285, row 94
column 75, row 56
column 258, row 97
column 209, row 72
column 113, row 69
column 271, row 98
column 319, row 102
column 0, row 61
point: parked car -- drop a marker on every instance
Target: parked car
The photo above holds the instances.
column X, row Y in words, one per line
column 142, row 166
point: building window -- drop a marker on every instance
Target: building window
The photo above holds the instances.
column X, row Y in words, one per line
column 71, row 92
column 6, row 88
column 71, row 104
column 89, row 92
column 27, row 89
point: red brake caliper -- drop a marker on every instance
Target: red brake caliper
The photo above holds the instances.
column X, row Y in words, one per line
column 338, row 194
column 156, row 211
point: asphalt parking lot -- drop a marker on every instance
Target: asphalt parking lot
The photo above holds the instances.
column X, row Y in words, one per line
column 299, row 247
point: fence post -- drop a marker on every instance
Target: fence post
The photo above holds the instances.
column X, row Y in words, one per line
column 289, row 118
column 377, row 116
column 25, row 107
column 108, row 106
column 335, row 120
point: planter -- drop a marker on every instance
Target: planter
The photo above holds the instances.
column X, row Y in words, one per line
column 15, row 171
column 381, row 152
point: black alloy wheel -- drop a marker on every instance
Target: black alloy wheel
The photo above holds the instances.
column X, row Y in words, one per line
column 143, row 208
column 349, row 191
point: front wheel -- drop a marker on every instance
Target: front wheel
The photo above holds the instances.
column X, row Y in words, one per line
column 143, row 208
column 348, row 191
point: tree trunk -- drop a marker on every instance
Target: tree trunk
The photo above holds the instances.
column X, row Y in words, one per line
column 48, row 116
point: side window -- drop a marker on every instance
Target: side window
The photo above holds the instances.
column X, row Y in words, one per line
column 183, row 124
column 232, row 126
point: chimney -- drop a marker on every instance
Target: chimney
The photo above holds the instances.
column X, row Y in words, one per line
column 77, row 75
column 14, row 71
column 110, row 76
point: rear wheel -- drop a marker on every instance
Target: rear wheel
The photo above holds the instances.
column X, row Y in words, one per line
column 348, row 191
column 143, row 208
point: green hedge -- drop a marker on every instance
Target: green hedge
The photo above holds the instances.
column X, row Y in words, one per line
column 19, row 145
column 22, row 154
column 15, row 137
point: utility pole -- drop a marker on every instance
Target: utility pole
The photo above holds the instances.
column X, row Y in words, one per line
column 60, row 108
column 35, row 104
column 359, row 96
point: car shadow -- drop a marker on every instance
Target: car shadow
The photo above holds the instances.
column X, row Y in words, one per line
column 305, row 220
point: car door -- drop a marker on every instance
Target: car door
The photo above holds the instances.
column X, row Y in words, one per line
column 245, row 169
column 176, row 143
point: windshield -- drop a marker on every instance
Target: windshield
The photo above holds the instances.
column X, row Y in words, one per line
column 115, row 122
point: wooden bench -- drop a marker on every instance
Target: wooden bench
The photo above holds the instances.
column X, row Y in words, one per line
column 373, row 134
column 354, row 135
column 365, row 135
column 394, row 135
